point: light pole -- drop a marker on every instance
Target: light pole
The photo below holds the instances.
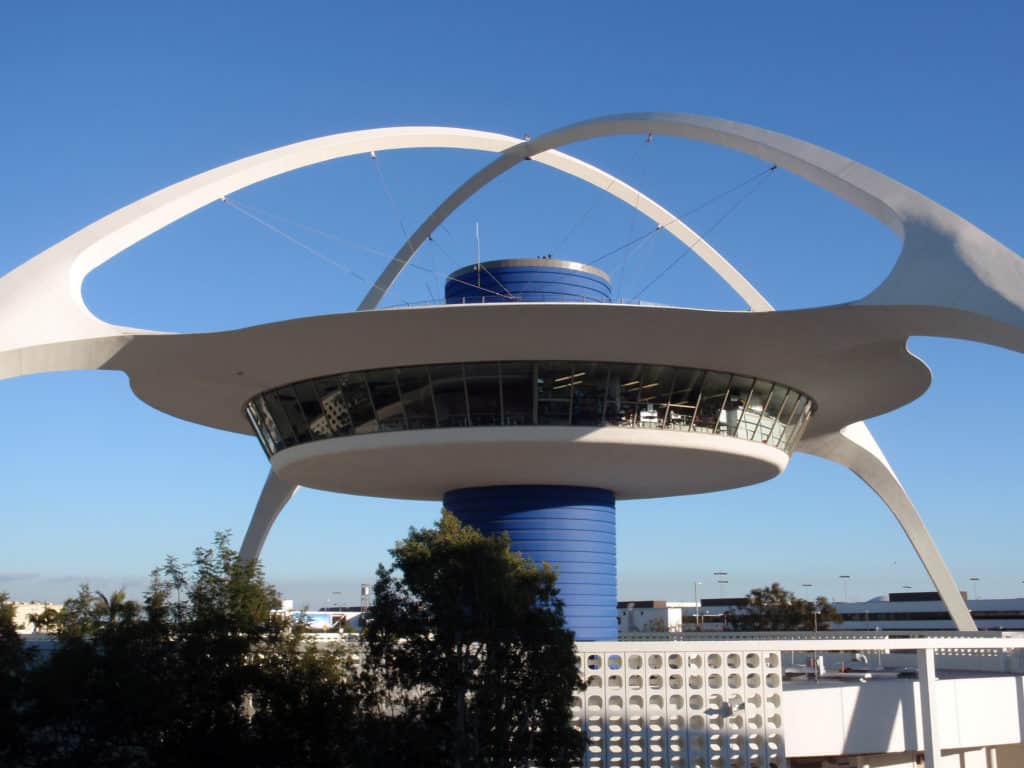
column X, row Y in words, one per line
column 846, row 580
column 720, row 576
column 975, row 579
column 696, row 606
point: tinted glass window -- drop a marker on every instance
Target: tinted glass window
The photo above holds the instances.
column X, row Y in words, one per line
column 293, row 414
column 309, row 403
column 449, row 395
column 357, row 403
column 517, row 386
column 589, row 384
column 554, row 392
column 735, row 401
column 622, row 405
column 336, row 417
column 655, row 390
column 484, row 393
column 386, row 402
column 523, row 393
column 417, row 397
column 712, row 398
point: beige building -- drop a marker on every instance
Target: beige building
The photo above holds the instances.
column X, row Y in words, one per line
column 24, row 612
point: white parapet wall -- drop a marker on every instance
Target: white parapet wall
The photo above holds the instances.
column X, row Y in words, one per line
column 727, row 704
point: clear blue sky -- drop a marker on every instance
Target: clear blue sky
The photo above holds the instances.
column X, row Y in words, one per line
column 104, row 103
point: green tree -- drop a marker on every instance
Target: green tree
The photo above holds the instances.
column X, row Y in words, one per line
column 468, row 661
column 202, row 672
column 14, row 660
column 773, row 608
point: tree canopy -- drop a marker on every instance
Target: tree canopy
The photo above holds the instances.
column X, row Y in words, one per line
column 201, row 672
column 467, row 662
column 774, row 608
column 469, row 641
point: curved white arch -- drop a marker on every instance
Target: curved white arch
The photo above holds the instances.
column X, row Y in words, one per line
column 855, row 448
column 946, row 262
column 41, row 303
column 274, row 497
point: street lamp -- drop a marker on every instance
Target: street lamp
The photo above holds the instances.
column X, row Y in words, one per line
column 696, row 605
column 846, row 580
column 975, row 579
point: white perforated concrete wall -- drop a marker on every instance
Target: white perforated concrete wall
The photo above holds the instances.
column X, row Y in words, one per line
column 662, row 705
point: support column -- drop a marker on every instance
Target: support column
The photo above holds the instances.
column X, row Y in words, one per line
column 275, row 495
column 570, row 528
column 929, row 706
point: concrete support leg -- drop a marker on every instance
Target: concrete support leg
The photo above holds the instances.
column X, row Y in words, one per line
column 855, row 448
column 276, row 493
column 929, row 706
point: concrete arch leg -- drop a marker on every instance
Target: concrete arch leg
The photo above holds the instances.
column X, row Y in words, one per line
column 855, row 448
column 275, row 495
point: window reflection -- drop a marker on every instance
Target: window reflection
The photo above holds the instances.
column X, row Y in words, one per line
column 357, row 403
column 449, row 395
column 417, row 397
column 736, row 402
column 554, row 392
column 336, row 419
column 586, row 394
column 712, row 397
column 483, row 393
column 589, row 385
column 517, row 383
column 623, row 395
column 386, row 402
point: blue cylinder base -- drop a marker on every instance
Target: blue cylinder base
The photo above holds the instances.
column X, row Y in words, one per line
column 570, row 528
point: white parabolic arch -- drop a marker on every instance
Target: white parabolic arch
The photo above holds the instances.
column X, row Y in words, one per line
column 45, row 325
column 946, row 263
column 41, row 302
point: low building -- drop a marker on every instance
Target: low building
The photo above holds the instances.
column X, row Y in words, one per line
column 24, row 613
column 924, row 611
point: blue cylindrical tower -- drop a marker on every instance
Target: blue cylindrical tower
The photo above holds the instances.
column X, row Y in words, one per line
column 527, row 280
column 571, row 528
column 568, row 527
